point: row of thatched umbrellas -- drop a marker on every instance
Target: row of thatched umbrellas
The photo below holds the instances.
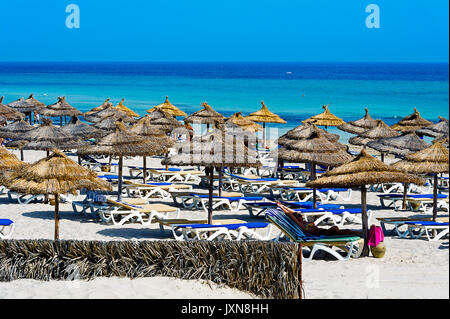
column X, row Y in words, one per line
column 308, row 144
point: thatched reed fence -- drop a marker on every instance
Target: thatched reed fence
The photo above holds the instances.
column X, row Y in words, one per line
column 266, row 269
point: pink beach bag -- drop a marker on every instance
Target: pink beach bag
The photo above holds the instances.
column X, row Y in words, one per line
column 376, row 235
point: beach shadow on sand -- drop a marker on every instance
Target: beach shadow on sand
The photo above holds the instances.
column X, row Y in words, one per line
column 67, row 215
column 135, row 233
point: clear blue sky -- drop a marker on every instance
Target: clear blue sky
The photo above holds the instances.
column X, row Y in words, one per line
column 224, row 30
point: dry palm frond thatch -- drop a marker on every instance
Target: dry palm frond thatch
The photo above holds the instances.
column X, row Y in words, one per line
column 381, row 130
column 27, row 105
column 164, row 121
column 99, row 108
column 205, row 116
column 81, row 129
column 303, row 131
column 9, row 113
column 359, row 126
column 243, row 122
column 125, row 109
column 325, row 119
column 168, row 108
column 265, row 116
column 399, row 145
column 411, row 123
column 59, row 109
column 435, row 130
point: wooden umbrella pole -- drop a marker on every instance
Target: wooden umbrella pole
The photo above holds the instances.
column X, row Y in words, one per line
column 220, row 180
column 109, row 163
column 405, row 191
column 300, row 275
column 365, row 222
column 167, row 166
column 264, row 134
column 382, row 157
column 57, row 217
column 210, row 209
column 119, row 187
column 79, row 159
column 313, row 177
column 144, row 169
column 435, row 187
column 21, row 155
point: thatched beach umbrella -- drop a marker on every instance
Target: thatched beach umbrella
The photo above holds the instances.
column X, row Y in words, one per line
column 303, row 131
column 8, row 113
column 122, row 143
column 164, row 121
column 381, row 130
column 15, row 131
column 432, row 160
column 60, row 109
column 242, row 122
column 205, row 116
column 265, row 116
column 359, row 126
column 27, row 106
column 362, row 171
column 106, row 112
column 441, row 139
column 125, row 109
column 411, row 123
column 99, row 108
column 8, row 161
column 54, row 175
column 215, row 149
column 47, row 137
column 78, row 128
column 315, row 149
column 108, row 123
column 168, row 108
column 399, row 145
column 325, row 119
column 145, row 129
column 435, row 130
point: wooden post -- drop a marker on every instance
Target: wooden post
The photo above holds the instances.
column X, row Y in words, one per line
column 405, row 191
column 435, row 187
column 220, row 180
column 109, row 164
column 313, row 177
column 382, row 157
column 211, row 179
column 48, row 153
column 60, row 121
column 365, row 222
column 21, row 154
column 57, row 217
column 79, row 159
column 167, row 166
column 300, row 275
column 264, row 134
column 144, row 170
column 119, row 187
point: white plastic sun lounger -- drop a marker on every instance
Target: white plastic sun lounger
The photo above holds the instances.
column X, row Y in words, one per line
column 119, row 213
column 6, row 228
column 172, row 175
column 156, row 189
column 25, row 199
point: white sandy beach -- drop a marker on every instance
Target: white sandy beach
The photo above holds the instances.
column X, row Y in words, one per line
column 411, row 268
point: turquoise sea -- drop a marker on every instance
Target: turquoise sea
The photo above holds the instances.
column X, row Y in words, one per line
column 295, row 91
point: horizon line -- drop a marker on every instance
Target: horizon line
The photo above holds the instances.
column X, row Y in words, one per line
column 218, row 61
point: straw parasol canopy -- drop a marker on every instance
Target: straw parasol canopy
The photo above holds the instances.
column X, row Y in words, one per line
column 359, row 126
column 265, row 116
column 106, row 112
column 9, row 113
column 315, row 149
column 361, row 171
column 215, row 149
column 381, row 130
column 145, row 129
column 432, row 160
column 125, row 109
column 60, row 109
column 411, row 123
column 123, row 143
column 108, row 123
column 2, row 120
column 168, row 108
column 26, row 105
column 399, row 145
column 243, row 122
column 325, row 119
column 8, row 161
column 164, row 121
column 303, row 131
column 99, row 108
column 54, row 175
column 81, row 129
column 435, row 130
column 442, row 139
column 15, row 131
column 205, row 116
column 47, row 137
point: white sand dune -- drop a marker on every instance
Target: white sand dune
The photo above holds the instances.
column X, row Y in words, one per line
column 411, row 268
